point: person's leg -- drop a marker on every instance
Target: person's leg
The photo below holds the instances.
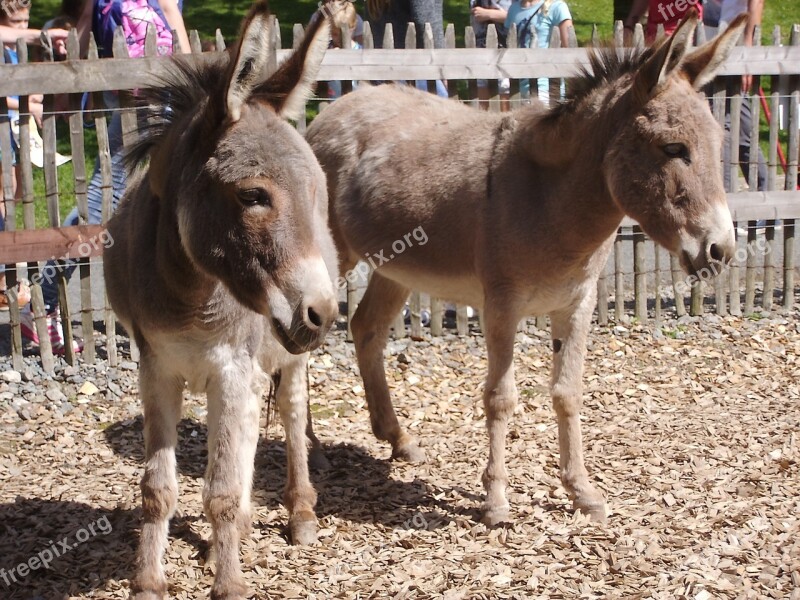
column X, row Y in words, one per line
column 399, row 14
column 428, row 11
column 745, row 146
column 95, row 212
column 49, row 275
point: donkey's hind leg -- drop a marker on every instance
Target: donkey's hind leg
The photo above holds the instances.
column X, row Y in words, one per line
column 569, row 330
column 299, row 496
column 233, row 415
column 162, row 397
column 317, row 461
column 381, row 302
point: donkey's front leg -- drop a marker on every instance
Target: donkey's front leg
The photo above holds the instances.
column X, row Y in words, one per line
column 569, row 331
column 233, row 414
column 162, row 397
column 499, row 399
column 299, row 496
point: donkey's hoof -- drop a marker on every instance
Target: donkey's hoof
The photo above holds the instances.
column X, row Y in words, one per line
column 231, row 590
column 303, row 531
column 148, row 595
column 410, row 453
column 494, row 516
column 596, row 510
column 147, row 588
column 317, row 461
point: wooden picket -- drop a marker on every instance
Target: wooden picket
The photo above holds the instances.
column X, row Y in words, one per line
column 636, row 270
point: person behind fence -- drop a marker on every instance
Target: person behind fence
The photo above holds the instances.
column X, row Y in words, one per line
column 402, row 12
column 483, row 12
column 539, row 18
column 9, row 34
column 668, row 13
column 166, row 18
column 728, row 11
column 15, row 17
column 341, row 13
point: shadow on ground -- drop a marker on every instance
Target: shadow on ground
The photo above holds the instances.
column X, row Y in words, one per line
column 85, row 547
column 356, row 486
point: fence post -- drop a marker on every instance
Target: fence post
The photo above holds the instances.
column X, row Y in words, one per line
column 657, row 283
column 619, row 278
column 791, row 181
column 639, row 275
column 415, row 306
column 772, row 184
column 450, row 43
column 78, row 150
column 676, row 274
column 8, row 200
column 602, row 297
column 472, row 84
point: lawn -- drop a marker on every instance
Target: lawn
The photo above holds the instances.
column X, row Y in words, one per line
column 210, row 15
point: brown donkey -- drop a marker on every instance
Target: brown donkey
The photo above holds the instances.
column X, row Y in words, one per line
column 222, row 269
column 520, row 211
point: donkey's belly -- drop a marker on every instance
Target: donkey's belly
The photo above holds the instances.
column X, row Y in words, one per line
column 461, row 289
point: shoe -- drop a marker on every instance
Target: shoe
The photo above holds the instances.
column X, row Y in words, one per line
column 23, row 292
column 54, row 328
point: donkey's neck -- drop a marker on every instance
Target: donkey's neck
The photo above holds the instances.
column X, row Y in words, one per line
column 568, row 147
column 187, row 288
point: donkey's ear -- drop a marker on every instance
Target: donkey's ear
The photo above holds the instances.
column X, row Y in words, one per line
column 702, row 65
column 289, row 88
column 664, row 59
column 254, row 59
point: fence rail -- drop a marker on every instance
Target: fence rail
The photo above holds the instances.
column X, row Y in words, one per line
column 640, row 280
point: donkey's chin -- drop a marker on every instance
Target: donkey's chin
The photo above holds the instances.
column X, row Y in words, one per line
column 700, row 266
column 298, row 339
column 282, row 335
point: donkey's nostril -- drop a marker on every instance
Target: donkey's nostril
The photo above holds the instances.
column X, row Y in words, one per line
column 716, row 253
column 313, row 317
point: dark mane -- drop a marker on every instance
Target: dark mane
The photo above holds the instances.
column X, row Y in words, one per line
column 606, row 65
column 187, row 85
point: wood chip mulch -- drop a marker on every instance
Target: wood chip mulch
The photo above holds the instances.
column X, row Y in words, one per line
column 690, row 429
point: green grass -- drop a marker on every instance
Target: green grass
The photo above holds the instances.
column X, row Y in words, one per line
column 226, row 15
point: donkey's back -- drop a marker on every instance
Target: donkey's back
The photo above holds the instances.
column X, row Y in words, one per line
column 398, row 158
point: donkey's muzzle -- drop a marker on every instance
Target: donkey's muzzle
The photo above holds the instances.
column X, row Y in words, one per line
column 713, row 257
column 311, row 322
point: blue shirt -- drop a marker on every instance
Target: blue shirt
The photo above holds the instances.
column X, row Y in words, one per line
column 542, row 24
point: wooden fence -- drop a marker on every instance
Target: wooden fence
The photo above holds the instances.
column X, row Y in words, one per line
column 640, row 281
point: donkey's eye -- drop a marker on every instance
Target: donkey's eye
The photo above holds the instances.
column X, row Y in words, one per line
column 676, row 151
column 255, row 197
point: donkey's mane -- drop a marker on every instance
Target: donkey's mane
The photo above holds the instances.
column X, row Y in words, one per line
column 606, row 65
column 180, row 91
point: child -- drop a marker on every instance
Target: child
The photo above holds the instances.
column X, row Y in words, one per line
column 342, row 13
column 539, row 16
column 15, row 16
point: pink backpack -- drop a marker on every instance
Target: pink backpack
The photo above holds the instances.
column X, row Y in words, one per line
column 134, row 16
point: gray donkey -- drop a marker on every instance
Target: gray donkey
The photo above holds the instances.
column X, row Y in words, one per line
column 520, row 211
column 221, row 270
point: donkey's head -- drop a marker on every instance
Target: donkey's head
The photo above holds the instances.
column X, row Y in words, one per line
column 248, row 195
column 663, row 167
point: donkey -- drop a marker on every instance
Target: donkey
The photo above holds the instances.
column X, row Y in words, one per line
column 221, row 270
column 520, row 210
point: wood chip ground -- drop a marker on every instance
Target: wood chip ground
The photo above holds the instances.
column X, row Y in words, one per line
column 691, row 430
